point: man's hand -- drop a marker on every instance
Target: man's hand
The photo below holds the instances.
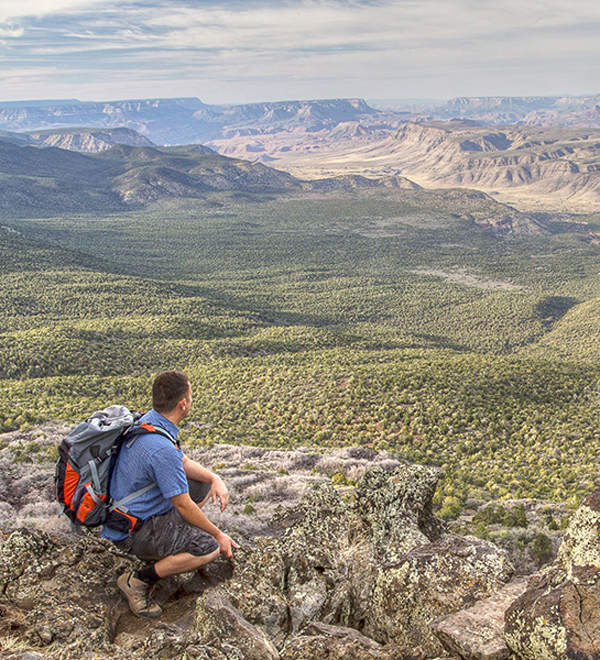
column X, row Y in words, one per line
column 227, row 544
column 219, row 491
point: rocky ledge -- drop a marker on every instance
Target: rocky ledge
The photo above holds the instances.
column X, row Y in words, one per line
column 356, row 572
column 558, row 616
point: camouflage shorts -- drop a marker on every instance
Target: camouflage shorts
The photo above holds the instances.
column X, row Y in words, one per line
column 169, row 534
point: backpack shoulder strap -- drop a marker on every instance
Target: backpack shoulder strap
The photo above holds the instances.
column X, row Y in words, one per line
column 120, row 504
column 131, row 435
column 142, row 429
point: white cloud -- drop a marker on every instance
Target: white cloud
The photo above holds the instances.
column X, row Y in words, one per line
column 14, row 9
column 435, row 48
column 11, row 33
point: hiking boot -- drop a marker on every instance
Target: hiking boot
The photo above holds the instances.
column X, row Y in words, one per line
column 138, row 595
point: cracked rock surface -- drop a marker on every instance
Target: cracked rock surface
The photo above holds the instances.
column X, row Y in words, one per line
column 558, row 616
column 477, row 633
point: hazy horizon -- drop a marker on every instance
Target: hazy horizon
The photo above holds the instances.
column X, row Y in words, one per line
column 373, row 102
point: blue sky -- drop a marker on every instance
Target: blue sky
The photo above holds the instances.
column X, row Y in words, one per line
column 236, row 52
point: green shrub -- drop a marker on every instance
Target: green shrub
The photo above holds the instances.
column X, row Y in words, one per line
column 542, row 548
column 340, row 479
column 451, row 508
column 497, row 514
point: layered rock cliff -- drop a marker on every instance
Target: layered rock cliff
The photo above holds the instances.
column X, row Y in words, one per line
column 560, row 164
column 555, row 165
column 184, row 120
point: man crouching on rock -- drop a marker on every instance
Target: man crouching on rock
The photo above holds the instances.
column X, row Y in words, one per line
column 172, row 529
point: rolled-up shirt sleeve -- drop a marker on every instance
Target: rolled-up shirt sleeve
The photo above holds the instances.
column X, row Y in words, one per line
column 169, row 475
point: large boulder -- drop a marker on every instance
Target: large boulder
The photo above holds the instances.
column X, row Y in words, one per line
column 66, row 588
column 431, row 581
column 59, row 599
column 327, row 561
column 581, row 543
column 398, row 508
column 221, row 625
column 257, row 589
column 299, row 573
column 477, row 633
column 558, row 617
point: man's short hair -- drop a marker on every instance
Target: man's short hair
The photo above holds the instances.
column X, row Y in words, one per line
column 168, row 389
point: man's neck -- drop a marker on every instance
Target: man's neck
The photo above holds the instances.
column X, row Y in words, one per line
column 174, row 416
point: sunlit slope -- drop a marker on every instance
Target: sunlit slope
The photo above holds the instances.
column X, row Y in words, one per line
column 576, row 336
column 545, row 162
column 553, row 165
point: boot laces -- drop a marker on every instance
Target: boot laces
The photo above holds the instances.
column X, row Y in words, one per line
column 149, row 596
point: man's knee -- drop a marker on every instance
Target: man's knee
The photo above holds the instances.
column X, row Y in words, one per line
column 213, row 555
column 199, row 492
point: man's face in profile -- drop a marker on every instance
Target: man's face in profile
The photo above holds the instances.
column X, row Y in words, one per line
column 188, row 399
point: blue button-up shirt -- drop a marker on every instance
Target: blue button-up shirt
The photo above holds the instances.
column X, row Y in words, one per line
column 151, row 459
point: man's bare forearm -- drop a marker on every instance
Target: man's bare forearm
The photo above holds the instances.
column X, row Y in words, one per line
column 196, row 472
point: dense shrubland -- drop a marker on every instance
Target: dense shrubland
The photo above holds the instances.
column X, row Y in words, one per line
column 356, row 320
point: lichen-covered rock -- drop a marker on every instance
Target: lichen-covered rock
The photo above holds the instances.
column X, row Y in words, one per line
column 60, row 600
column 257, row 589
column 315, row 553
column 323, row 642
column 581, row 543
column 330, row 568
column 301, row 573
column 328, row 561
column 67, row 589
column 558, row 616
column 167, row 641
column 477, row 633
column 431, row 581
column 398, row 507
column 218, row 622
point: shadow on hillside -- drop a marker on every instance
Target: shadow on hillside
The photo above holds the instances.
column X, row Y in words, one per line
column 553, row 308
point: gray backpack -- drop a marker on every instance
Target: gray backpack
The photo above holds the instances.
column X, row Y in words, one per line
column 86, row 460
